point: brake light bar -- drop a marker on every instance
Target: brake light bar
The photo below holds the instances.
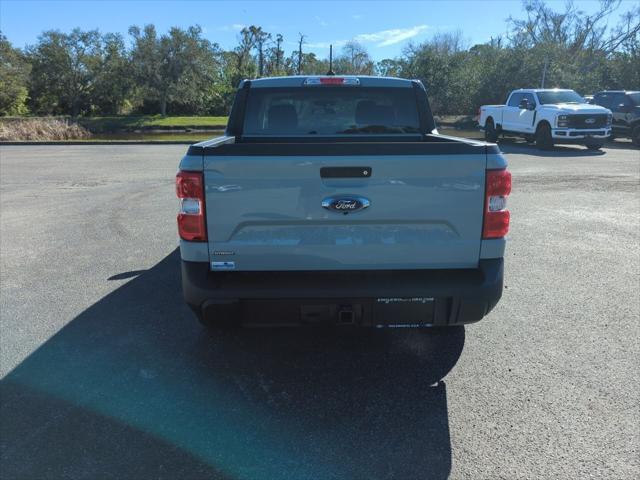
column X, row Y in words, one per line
column 332, row 81
column 191, row 217
column 496, row 215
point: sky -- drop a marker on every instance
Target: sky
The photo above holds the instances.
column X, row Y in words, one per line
column 383, row 27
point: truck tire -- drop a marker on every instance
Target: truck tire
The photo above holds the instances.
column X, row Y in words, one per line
column 544, row 141
column 490, row 132
column 635, row 136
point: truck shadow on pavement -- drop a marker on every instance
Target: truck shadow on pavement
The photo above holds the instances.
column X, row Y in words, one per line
column 515, row 146
column 134, row 388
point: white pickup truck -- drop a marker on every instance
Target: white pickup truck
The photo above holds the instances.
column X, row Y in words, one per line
column 547, row 117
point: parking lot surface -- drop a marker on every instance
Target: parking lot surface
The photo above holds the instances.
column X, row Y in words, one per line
column 106, row 374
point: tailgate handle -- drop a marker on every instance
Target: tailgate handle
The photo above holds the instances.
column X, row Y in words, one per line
column 345, row 172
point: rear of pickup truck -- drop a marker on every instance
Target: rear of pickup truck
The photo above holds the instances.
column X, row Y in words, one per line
column 331, row 202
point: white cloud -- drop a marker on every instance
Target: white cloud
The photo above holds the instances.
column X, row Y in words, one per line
column 322, row 22
column 385, row 38
column 234, row 27
column 381, row 39
column 356, row 17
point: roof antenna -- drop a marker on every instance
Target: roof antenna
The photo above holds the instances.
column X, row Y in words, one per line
column 331, row 72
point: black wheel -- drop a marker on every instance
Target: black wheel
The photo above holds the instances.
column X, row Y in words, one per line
column 490, row 132
column 544, row 141
column 594, row 146
column 635, row 136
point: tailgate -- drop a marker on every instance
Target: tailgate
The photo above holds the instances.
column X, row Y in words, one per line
column 310, row 212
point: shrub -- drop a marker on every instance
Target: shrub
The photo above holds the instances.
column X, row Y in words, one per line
column 40, row 129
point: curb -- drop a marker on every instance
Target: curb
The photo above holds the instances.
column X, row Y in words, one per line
column 101, row 142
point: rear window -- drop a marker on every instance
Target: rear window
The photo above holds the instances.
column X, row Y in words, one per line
column 635, row 98
column 325, row 110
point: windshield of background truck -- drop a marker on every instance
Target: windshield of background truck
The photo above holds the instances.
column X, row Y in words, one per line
column 324, row 110
column 553, row 97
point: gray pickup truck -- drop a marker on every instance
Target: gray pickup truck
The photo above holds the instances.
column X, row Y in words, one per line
column 334, row 200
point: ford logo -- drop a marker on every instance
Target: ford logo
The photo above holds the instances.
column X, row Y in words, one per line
column 345, row 204
column 590, row 121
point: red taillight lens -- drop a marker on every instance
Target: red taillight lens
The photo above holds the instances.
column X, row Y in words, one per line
column 496, row 215
column 191, row 217
column 331, row 81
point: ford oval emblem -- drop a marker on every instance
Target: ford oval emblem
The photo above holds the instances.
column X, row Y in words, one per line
column 345, row 203
column 590, row 121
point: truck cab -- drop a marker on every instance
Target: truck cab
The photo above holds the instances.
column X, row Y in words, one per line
column 331, row 200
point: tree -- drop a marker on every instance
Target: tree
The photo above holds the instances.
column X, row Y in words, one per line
column 176, row 67
column 260, row 37
column 354, row 60
column 300, row 42
column 573, row 29
column 180, row 71
column 389, row 67
column 275, row 58
column 571, row 46
column 278, row 53
column 243, row 66
column 63, row 70
column 14, row 75
column 436, row 70
column 113, row 83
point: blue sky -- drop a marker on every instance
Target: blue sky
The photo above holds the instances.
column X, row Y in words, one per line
column 383, row 27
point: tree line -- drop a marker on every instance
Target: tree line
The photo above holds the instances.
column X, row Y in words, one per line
column 181, row 72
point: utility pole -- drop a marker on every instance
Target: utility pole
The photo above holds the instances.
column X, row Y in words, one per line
column 300, row 42
column 544, row 71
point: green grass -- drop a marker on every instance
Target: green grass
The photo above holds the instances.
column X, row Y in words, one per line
column 133, row 122
column 156, row 136
column 112, row 124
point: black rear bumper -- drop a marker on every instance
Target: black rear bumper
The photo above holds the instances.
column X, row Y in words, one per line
column 369, row 298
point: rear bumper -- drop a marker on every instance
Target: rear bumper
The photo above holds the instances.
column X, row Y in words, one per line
column 375, row 298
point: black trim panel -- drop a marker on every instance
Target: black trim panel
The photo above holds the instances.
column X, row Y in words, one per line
column 462, row 296
column 235, row 123
column 427, row 124
column 345, row 172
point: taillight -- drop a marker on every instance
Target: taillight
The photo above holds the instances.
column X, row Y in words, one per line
column 332, row 81
column 496, row 215
column 191, row 220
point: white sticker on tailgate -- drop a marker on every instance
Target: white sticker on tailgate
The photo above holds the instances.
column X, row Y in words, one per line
column 223, row 265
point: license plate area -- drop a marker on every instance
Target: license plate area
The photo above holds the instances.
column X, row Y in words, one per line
column 385, row 312
column 404, row 312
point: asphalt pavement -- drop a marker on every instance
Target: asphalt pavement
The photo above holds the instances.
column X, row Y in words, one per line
column 106, row 373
